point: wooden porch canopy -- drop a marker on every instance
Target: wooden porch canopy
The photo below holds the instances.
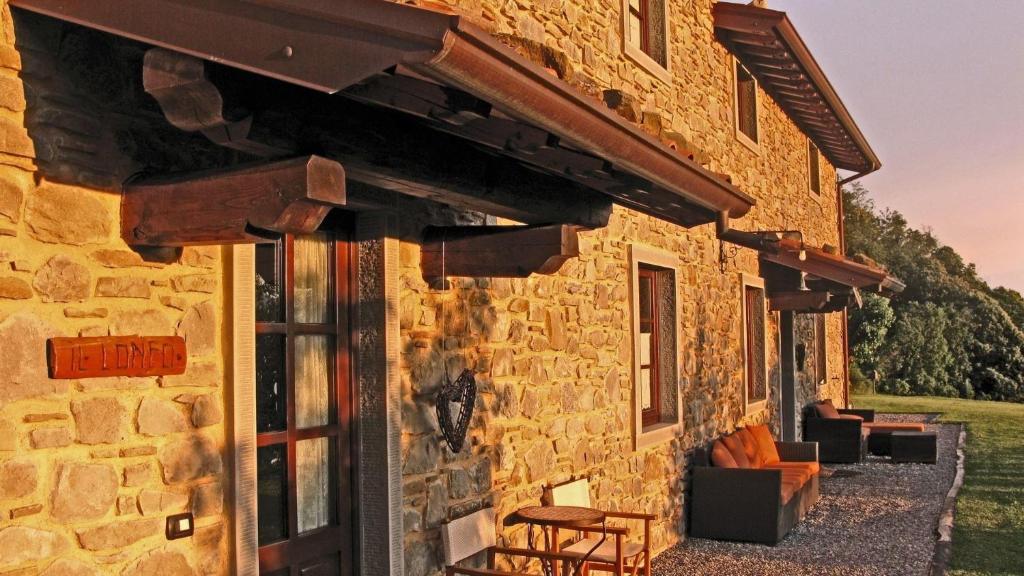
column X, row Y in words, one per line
column 766, row 42
column 434, row 65
column 807, row 279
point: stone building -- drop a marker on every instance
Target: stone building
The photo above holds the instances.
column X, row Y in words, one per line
column 621, row 218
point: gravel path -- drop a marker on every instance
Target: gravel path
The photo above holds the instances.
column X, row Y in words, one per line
column 878, row 522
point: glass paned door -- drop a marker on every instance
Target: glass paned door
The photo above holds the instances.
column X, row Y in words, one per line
column 303, row 406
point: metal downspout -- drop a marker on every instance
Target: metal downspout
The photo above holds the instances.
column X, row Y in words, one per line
column 842, row 250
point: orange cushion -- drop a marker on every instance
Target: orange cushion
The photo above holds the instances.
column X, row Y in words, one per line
column 750, row 447
column 735, row 446
column 826, row 409
column 765, row 443
column 721, row 457
column 895, row 426
column 810, row 467
column 795, row 474
column 851, row 417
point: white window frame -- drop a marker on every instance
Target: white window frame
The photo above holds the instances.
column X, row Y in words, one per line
column 754, row 145
column 658, row 433
column 750, row 408
column 640, row 57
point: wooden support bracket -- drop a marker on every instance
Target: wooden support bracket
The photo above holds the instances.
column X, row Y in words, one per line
column 238, row 205
column 496, row 251
column 810, row 302
column 192, row 103
column 800, row 301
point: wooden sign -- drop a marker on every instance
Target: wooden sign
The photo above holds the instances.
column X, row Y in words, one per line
column 103, row 356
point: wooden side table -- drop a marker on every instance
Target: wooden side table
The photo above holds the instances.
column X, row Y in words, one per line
column 914, row 447
column 551, row 518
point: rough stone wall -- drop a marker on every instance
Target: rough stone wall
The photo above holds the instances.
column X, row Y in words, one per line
column 553, row 355
column 90, row 468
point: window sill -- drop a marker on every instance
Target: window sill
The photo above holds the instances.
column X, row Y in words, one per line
column 657, row 434
column 746, row 141
column 755, row 407
column 650, row 65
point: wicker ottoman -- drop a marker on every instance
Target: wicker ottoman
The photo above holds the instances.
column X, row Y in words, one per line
column 913, row 447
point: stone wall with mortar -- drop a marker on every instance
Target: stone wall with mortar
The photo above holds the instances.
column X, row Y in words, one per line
column 553, row 354
column 90, row 468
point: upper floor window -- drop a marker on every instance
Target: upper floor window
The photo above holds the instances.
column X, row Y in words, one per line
column 656, row 390
column 754, row 343
column 645, row 34
column 813, row 168
column 746, row 105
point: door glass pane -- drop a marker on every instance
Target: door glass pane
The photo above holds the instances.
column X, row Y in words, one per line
column 311, row 279
column 272, row 493
column 312, row 380
column 313, row 477
column 645, row 348
column 646, row 288
column 645, row 389
column 268, row 283
column 270, row 383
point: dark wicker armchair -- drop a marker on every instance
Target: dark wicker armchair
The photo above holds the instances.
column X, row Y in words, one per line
column 840, row 439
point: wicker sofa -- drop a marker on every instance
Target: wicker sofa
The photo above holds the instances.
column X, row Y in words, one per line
column 750, row 488
column 843, row 435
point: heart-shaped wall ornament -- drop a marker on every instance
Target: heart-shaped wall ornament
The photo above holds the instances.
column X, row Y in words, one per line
column 463, row 393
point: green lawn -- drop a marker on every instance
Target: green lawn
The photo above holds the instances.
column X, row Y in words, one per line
column 988, row 535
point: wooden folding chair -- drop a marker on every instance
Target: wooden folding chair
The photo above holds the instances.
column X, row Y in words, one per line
column 619, row 556
column 469, row 535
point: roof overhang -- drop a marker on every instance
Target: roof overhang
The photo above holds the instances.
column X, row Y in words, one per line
column 831, row 270
column 766, row 42
column 334, row 45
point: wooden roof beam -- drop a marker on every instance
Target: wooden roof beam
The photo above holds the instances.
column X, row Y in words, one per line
column 495, row 251
column 799, row 301
column 238, row 205
column 762, row 40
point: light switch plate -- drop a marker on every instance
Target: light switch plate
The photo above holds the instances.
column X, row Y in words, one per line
column 180, row 526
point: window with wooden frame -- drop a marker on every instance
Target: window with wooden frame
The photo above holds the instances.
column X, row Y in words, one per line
column 820, row 350
column 647, row 312
column 745, row 105
column 754, row 345
column 813, row 168
column 301, row 407
column 645, row 35
column 656, row 389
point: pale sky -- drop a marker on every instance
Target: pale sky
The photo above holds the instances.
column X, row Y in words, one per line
column 937, row 86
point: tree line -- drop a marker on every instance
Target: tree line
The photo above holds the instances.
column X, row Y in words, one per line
column 948, row 334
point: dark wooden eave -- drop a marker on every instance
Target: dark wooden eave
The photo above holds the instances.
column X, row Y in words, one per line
column 766, row 42
column 817, row 263
column 435, row 65
column 382, row 152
